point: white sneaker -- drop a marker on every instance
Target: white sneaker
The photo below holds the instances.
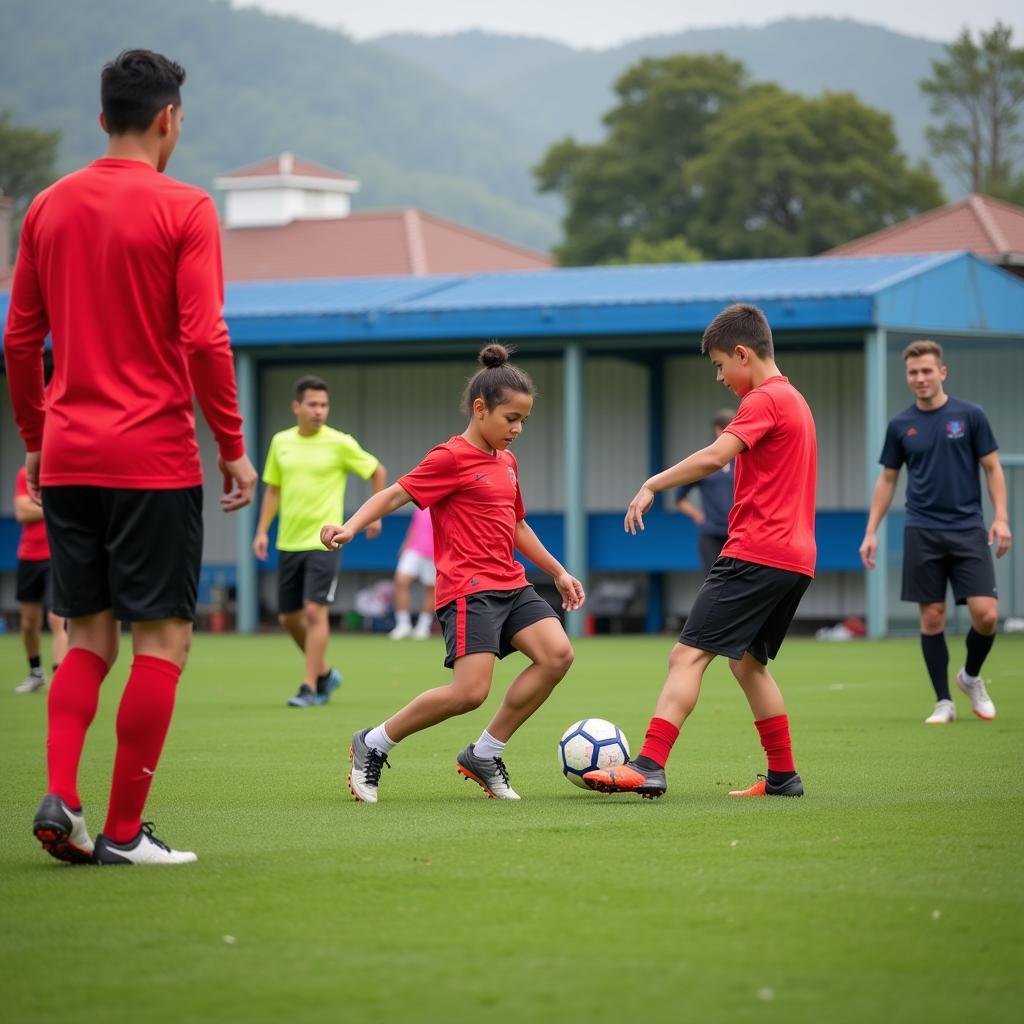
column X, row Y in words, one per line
column 401, row 631
column 145, row 848
column 32, row 683
column 489, row 773
column 62, row 831
column 422, row 630
column 945, row 711
column 981, row 703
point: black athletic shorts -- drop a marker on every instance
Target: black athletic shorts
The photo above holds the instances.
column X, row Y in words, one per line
column 485, row 623
column 306, row 576
column 32, row 582
column 743, row 607
column 136, row 552
column 934, row 558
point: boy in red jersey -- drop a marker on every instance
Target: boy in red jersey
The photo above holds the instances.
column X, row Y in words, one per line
column 486, row 608
column 121, row 265
column 749, row 597
column 34, row 592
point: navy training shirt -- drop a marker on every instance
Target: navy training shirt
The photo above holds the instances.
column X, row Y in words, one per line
column 941, row 448
column 716, row 499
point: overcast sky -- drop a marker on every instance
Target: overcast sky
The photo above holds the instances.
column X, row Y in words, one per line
column 601, row 23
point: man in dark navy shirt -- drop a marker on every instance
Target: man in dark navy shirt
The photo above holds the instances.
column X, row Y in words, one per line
column 716, row 501
column 943, row 440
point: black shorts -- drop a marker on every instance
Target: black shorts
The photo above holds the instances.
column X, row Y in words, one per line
column 744, row 607
column 485, row 623
column 135, row 552
column 32, row 582
column 934, row 558
column 306, row 576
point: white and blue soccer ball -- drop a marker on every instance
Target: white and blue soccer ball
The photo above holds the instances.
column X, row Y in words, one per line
column 588, row 745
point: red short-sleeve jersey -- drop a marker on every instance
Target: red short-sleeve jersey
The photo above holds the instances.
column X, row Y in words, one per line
column 33, row 546
column 475, row 503
column 772, row 520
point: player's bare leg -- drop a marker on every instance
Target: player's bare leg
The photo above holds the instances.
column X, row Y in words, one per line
column 59, row 632
column 31, row 618
column 984, row 620
column 403, row 624
column 769, row 710
column 422, row 629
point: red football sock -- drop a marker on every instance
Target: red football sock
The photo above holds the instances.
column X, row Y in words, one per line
column 774, row 733
column 71, row 707
column 142, row 722
column 658, row 741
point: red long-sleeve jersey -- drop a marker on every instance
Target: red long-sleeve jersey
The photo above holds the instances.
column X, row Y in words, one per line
column 121, row 265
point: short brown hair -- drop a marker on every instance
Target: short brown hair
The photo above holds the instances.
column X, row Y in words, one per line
column 740, row 324
column 309, row 383
column 924, row 347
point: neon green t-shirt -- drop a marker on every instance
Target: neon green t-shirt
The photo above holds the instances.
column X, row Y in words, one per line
column 311, row 473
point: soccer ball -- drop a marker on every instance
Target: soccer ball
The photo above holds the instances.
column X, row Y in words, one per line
column 588, row 745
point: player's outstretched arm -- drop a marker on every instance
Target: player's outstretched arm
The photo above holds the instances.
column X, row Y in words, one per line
column 529, row 544
column 693, row 468
column 881, row 499
column 375, row 507
column 378, row 482
column 999, row 532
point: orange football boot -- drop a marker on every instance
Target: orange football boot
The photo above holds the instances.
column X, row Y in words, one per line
column 649, row 783
column 791, row 787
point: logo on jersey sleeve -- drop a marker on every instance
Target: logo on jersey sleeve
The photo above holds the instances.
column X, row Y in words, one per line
column 954, row 428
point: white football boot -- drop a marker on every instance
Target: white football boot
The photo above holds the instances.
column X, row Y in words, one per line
column 945, row 711
column 145, row 848
column 981, row 703
column 62, row 831
column 489, row 773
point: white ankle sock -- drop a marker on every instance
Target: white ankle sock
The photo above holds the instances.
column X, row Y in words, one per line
column 402, row 619
column 487, row 746
column 378, row 739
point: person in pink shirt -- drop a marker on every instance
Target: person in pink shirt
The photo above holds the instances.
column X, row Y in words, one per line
column 415, row 562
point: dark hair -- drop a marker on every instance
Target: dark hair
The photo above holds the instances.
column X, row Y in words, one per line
column 924, row 347
column 723, row 418
column 740, row 324
column 135, row 86
column 496, row 376
column 309, row 383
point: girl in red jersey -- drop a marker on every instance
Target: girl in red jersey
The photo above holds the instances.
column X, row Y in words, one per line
column 485, row 606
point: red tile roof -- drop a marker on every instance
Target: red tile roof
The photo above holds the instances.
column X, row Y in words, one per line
column 286, row 163
column 383, row 242
column 985, row 226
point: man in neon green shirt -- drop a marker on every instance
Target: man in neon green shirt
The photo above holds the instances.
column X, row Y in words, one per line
column 305, row 475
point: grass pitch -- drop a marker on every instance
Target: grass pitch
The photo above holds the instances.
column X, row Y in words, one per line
column 891, row 892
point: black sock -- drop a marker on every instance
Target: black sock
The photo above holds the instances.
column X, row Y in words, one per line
column 35, row 664
column 978, row 646
column 778, row 778
column 647, row 763
column 936, row 657
column 323, row 678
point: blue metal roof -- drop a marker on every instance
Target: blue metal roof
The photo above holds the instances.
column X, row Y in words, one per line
column 951, row 291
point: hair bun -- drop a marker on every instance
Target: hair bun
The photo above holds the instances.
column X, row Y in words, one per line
column 493, row 355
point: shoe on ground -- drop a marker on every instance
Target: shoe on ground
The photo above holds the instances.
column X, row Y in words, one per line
column 62, row 831
column 945, row 711
column 32, row 683
column 145, row 848
column 401, row 631
column 305, row 698
column 367, row 764
column 329, row 685
column 791, row 787
column 650, row 783
column 981, row 702
column 489, row 773
column 422, row 632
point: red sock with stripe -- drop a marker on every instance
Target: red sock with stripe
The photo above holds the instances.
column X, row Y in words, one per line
column 774, row 733
column 71, row 707
column 658, row 741
column 142, row 723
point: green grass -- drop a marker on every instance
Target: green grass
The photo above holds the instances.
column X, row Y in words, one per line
column 890, row 893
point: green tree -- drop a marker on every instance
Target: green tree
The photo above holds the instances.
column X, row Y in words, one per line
column 630, row 186
column 28, row 160
column 784, row 175
column 978, row 95
column 667, row 250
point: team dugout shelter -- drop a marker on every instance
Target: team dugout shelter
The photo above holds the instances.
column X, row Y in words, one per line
column 622, row 391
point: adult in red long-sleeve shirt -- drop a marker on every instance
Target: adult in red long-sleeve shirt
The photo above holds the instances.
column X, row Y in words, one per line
column 122, row 267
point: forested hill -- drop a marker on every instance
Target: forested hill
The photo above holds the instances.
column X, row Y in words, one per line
column 452, row 124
